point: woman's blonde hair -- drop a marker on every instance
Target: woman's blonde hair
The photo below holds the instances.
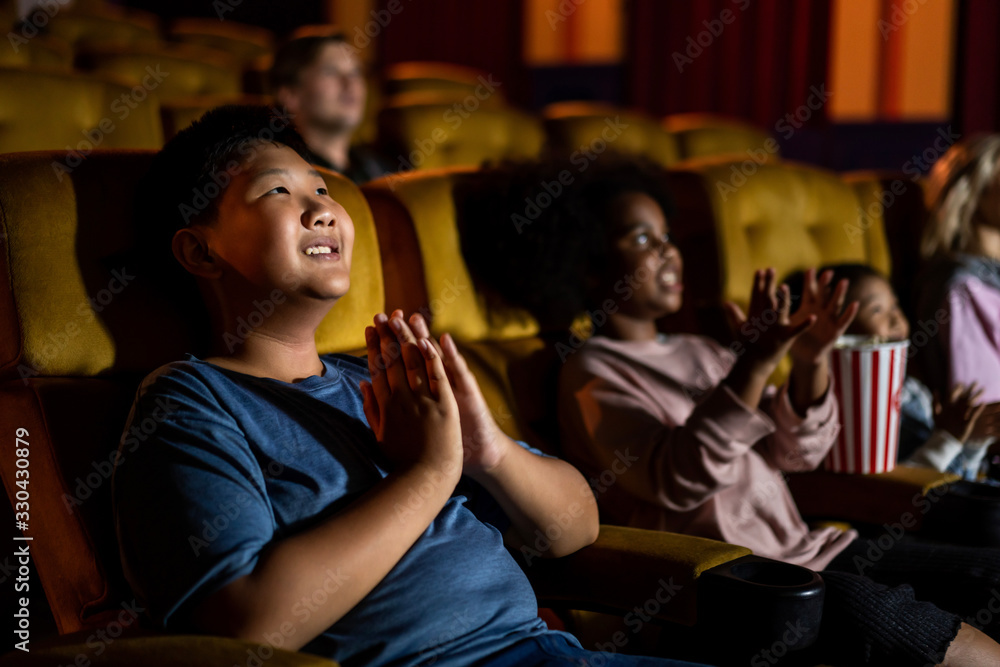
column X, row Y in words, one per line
column 962, row 189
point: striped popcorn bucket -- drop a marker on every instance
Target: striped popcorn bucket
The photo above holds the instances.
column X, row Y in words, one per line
column 868, row 382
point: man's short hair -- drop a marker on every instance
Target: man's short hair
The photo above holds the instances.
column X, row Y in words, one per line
column 296, row 55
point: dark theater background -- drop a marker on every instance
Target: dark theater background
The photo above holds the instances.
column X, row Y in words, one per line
column 845, row 103
column 895, row 71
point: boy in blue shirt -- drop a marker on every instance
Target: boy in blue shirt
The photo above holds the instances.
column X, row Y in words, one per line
column 349, row 509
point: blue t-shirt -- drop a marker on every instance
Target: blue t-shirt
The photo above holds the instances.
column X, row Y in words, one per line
column 215, row 465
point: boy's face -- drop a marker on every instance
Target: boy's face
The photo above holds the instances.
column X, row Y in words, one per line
column 277, row 227
column 878, row 313
column 645, row 258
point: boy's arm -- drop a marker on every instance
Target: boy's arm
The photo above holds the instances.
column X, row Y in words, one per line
column 547, row 500
column 349, row 553
column 535, row 492
column 411, row 408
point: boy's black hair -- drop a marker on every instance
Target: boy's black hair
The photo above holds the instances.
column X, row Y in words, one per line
column 187, row 178
column 537, row 234
column 182, row 188
column 854, row 272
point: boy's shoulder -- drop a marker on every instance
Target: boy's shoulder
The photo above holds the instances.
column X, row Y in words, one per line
column 193, row 380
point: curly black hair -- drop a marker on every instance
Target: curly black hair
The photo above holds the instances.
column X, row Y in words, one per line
column 536, row 234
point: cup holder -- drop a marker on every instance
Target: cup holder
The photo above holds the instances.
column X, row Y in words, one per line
column 773, row 573
column 761, row 603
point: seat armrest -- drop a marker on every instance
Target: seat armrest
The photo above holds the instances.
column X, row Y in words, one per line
column 628, row 567
column 903, row 495
column 155, row 650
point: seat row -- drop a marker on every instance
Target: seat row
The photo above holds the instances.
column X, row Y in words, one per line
column 82, row 325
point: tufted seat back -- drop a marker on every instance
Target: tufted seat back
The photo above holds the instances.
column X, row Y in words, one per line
column 785, row 215
column 579, row 127
column 701, row 135
column 51, row 109
column 174, row 71
column 445, row 134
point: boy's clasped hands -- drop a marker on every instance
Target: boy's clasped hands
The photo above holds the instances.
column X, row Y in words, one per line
column 423, row 402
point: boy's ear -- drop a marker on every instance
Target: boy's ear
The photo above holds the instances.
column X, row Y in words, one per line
column 191, row 249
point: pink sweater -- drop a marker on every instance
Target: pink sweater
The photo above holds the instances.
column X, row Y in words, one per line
column 666, row 447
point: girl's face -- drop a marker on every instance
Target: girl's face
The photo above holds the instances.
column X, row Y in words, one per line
column 646, row 267
column 879, row 313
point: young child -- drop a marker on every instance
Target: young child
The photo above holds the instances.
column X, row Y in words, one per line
column 322, row 503
column 949, row 435
column 708, row 440
column 960, row 285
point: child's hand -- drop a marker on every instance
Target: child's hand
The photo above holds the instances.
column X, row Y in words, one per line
column 818, row 300
column 767, row 329
column 482, row 438
column 409, row 403
column 961, row 412
column 988, row 424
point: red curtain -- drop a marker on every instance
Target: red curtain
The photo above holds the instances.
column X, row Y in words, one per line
column 485, row 35
column 977, row 63
column 754, row 59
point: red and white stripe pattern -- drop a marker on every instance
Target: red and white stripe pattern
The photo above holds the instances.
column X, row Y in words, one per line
column 868, row 383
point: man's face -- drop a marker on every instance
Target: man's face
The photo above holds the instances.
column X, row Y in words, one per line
column 277, row 227
column 331, row 92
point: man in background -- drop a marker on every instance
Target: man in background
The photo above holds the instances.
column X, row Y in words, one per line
column 318, row 79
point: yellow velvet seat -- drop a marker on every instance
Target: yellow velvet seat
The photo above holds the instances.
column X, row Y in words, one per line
column 447, row 79
column 243, row 42
column 108, row 25
column 467, row 132
column 172, row 70
column 587, row 128
column 53, row 109
column 45, row 51
column 701, row 135
column 784, row 215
